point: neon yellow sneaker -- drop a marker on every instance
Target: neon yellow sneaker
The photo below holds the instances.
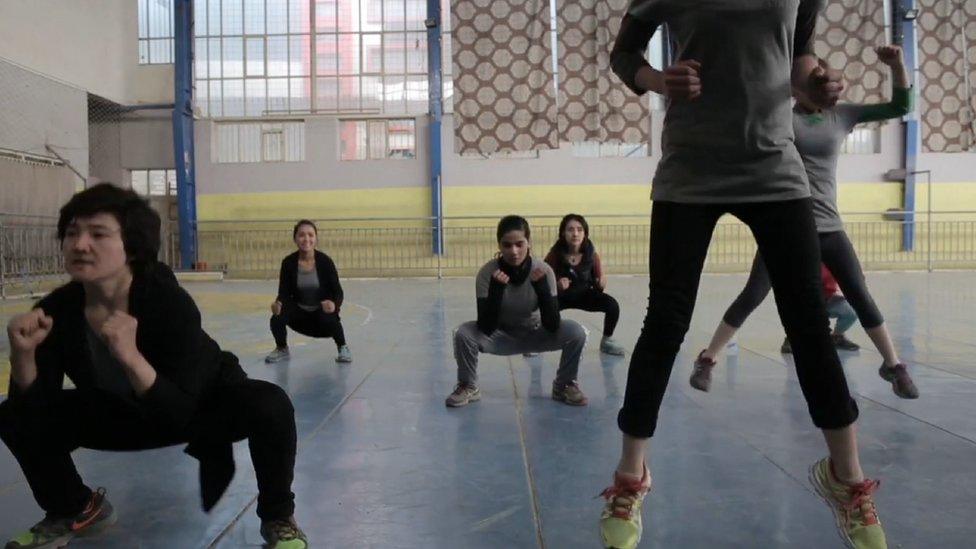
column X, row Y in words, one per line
column 52, row 532
column 283, row 534
column 620, row 523
column 853, row 507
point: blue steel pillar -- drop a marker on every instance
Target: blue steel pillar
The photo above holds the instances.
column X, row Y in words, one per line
column 903, row 34
column 186, row 188
column 434, row 87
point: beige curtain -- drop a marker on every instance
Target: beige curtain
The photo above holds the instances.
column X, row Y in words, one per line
column 504, row 99
column 847, row 33
column 947, row 55
column 594, row 104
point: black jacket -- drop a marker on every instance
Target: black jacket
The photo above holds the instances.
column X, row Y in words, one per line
column 189, row 365
column 329, row 287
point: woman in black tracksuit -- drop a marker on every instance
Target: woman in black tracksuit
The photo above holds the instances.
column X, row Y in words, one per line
column 309, row 296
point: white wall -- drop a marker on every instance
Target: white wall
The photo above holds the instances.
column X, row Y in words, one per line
column 90, row 44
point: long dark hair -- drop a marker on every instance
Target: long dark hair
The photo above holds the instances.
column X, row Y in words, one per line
column 139, row 222
column 561, row 247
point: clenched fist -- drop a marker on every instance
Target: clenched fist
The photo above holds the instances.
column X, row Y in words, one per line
column 276, row 308
column 119, row 333
column 537, row 274
column 328, row 306
column 28, row 330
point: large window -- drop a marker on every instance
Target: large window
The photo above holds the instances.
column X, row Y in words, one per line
column 154, row 182
column 377, row 139
column 243, row 142
column 268, row 57
column 155, row 32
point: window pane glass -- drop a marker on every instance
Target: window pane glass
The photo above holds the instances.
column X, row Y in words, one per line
column 233, row 17
column 233, row 98
column 377, row 139
column 233, row 51
column 157, row 182
column 326, row 55
column 352, row 140
column 298, row 16
column 401, row 139
column 301, row 93
column 348, row 54
column 300, row 62
column 277, row 18
column 416, row 52
column 214, row 56
column 254, row 16
column 256, row 97
column 372, row 94
column 325, row 16
column 372, row 16
column 277, row 55
column 200, row 57
column 349, row 93
column 140, row 182
column 348, row 16
column 372, row 54
column 213, row 18
column 395, row 53
column 255, row 56
column 394, row 15
column 278, row 95
column 327, row 94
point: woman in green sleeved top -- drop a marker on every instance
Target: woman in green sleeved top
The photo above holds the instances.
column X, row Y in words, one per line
column 819, row 136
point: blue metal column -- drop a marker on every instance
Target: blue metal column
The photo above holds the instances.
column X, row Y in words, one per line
column 186, row 188
column 904, row 35
column 434, row 87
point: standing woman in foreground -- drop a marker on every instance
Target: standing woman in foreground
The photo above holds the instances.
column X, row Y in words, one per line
column 728, row 148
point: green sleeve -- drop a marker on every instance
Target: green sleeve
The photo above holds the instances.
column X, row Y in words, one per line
column 900, row 105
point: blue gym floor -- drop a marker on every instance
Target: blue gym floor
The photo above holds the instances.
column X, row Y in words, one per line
column 383, row 464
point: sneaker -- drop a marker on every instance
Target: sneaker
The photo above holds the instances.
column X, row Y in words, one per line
column 277, row 356
column 901, row 382
column 462, row 395
column 283, row 534
column 620, row 522
column 569, row 394
column 853, row 507
column 701, row 375
column 345, row 355
column 843, row 343
column 611, row 347
column 786, row 348
column 53, row 532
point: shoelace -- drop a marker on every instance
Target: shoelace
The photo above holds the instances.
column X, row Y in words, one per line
column 460, row 388
column 621, row 498
column 285, row 531
column 862, row 502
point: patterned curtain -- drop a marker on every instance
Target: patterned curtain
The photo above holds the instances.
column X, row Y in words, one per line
column 848, row 31
column 594, row 104
column 503, row 82
column 947, row 59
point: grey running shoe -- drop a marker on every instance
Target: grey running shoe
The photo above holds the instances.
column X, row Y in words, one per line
column 345, row 355
column 52, row 532
column 277, row 356
column 701, row 375
column 462, row 395
column 843, row 343
column 901, row 383
column 611, row 347
column 569, row 394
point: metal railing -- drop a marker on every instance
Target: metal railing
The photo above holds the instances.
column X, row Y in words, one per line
column 389, row 247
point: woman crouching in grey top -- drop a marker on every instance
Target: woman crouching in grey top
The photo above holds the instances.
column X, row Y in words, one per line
column 517, row 313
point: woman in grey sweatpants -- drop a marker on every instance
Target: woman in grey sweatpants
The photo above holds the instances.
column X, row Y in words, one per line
column 517, row 313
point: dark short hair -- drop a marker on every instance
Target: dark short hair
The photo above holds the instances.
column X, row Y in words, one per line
column 512, row 223
column 294, row 232
column 139, row 222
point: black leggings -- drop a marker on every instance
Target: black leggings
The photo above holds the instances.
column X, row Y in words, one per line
column 43, row 437
column 594, row 301
column 317, row 323
column 787, row 238
column 841, row 260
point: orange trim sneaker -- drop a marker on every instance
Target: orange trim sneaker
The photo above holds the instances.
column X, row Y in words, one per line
column 55, row 532
column 853, row 506
column 620, row 523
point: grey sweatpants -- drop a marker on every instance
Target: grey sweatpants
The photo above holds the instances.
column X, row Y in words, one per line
column 469, row 341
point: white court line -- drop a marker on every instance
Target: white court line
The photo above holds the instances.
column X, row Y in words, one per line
column 369, row 312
